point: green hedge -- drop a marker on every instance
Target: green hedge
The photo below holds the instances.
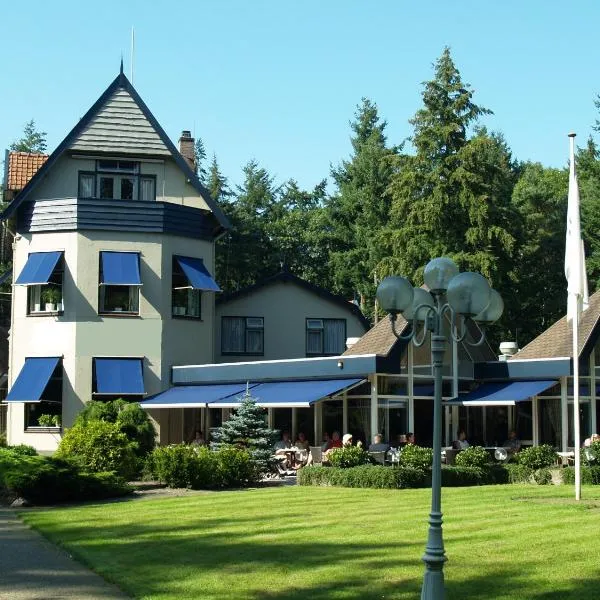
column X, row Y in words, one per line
column 537, row 457
column 589, row 475
column 473, row 456
column 49, row 480
column 364, row 476
column 351, row 456
column 189, row 466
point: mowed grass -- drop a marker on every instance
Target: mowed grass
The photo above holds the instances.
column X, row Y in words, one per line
column 292, row 543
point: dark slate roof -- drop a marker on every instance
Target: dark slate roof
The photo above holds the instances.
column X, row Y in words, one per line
column 557, row 340
column 287, row 277
column 120, row 82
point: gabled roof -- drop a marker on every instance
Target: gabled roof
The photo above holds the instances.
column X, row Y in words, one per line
column 379, row 340
column 286, row 277
column 79, row 132
column 21, row 167
column 557, row 340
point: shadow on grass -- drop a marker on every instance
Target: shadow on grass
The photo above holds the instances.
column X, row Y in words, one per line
column 256, row 558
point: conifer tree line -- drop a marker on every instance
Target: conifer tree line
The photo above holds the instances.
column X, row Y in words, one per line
column 456, row 191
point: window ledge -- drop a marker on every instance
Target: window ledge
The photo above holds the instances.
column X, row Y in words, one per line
column 242, row 353
column 120, row 315
column 187, row 318
column 43, row 313
column 39, row 429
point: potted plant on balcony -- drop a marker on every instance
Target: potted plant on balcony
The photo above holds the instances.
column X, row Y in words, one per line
column 45, row 420
column 51, row 296
column 120, row 301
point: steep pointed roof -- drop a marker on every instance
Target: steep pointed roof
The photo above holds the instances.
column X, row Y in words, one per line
column 119, row 121
column 557, row 340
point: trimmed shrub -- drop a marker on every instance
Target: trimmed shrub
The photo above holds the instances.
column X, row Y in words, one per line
column 23, row 450
column 542, row 476
column 537, row 457
column 100, row 446
column 518, row 473
column 416, row 457
column 188, row 466
column 363, row 476
column 412, row 477
column 589, row 475
column 48, row 480
column 473, row 456
column 460, row 476
column 351, row 456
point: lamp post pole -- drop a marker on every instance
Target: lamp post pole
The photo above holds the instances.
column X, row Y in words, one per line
column 450, row 294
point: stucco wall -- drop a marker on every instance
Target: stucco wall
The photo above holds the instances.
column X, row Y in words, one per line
column 171, row 184
column 284, row 308
column 81, row 334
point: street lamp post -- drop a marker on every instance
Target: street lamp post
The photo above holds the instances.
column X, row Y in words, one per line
column 452, row 296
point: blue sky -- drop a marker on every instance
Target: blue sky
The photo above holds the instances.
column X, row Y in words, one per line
column 278, row 81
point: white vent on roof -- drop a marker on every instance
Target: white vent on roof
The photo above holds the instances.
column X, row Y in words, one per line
column 508, row 349
column 351, row 341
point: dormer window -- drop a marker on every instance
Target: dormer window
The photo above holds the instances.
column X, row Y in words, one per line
column 117, row 180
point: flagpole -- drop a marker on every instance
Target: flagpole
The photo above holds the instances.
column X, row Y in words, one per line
column 575, row 323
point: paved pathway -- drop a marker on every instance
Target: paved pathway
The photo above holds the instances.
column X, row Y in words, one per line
column 31, row 568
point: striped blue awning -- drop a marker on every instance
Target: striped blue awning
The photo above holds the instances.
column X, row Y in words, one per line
column 38, row 268
column 33, row 379
column 197, row 274
column 120, row 268
column 118, row 376
column 502, row 394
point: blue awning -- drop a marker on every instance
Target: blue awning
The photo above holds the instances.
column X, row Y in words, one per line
column 502, row 394
column 291, row 394
column 5, row 276
column 120, row 268
column 194, row 396
column 197, row 274
column 33, row 379
column 118, row 376
column 38, row 268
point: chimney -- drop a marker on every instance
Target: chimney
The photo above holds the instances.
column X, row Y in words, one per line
column 186, row 148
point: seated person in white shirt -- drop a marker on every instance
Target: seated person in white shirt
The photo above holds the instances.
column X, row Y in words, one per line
column 461, row 443
column 281, row 446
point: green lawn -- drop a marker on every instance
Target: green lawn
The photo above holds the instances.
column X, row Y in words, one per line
column 503, row 542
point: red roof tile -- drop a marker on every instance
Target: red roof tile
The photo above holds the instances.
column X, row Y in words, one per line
column 22, row 166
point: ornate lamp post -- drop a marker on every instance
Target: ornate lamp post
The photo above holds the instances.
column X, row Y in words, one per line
column 452, row 297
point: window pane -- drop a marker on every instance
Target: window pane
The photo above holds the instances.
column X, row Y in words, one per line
column 254, row 341
column 127, row 186
column 233, row 334
column 86, row 185
column 193, row 303
column 107, row 187
column 119, row 298
column 314, row 342
column 335, row 336
column 147, row 188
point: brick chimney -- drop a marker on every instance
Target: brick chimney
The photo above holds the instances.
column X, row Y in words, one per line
column 186, row 148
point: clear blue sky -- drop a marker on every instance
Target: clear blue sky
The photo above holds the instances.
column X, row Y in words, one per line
column 278, row 81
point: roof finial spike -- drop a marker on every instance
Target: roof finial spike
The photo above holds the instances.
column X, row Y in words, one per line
column 121, row 69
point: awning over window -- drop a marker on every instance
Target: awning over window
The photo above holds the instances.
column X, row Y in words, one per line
column 38, row 268
column 5, row 276
column 195, row 396
column 118, row 376
column 120, row 268
column 290, row 394
column 197, row 274
column 502, row 394
column 33, row 379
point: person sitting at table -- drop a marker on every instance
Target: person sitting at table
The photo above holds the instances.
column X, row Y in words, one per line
column 335, row 441
column 461, row 443
column 302, row 442
column 589, row 441
column 326, row 441
column 347, row 440
column 378, row 445
column 409, row 438
column 281, row 448
column 513, row 443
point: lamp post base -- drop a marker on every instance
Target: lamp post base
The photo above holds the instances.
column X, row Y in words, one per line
column 434, row 559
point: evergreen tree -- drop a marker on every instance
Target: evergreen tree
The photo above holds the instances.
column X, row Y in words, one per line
column 32, row 140
column 217, row 183
column 247, row 429
column 360, row 206
column 199, row 158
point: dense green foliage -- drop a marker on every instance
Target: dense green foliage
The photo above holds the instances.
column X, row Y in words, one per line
column 130, row 418
column 33, row 140
column 416, row 457
column 473, row 456
column 100, row 446
column 48, row 480
column 591, row 455
column 351, row 456
column 247, row 429
column 537, row 457
column 190, row 466
column 589, row 475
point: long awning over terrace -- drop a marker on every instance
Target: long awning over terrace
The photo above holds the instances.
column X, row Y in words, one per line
column 502, row 394
column 272, row 394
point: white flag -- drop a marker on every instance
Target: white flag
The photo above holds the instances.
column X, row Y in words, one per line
column 577, row 287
